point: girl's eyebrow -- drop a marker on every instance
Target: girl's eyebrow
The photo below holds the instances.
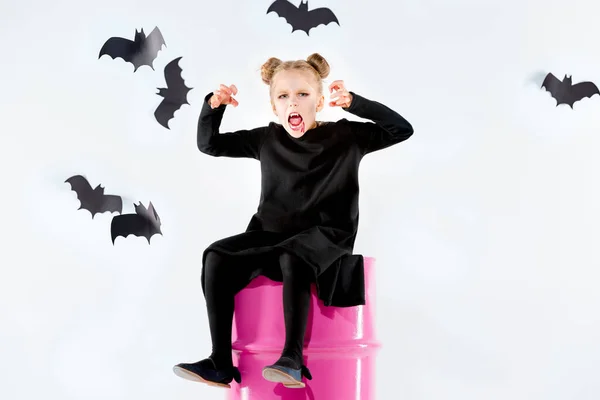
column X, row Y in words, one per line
column 303, row 89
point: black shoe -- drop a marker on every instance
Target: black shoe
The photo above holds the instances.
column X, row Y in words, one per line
column 206, row 371
column 284, row 371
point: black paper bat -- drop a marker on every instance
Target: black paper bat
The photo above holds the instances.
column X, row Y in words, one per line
column 145, row 222
column 94, row 200
column 175, row 95
column 140, row 51
column 300, row 18
column 565, row 92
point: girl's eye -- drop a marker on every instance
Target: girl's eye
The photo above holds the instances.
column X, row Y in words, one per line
column 281, row 96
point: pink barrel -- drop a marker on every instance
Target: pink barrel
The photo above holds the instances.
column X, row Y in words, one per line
column 340, row 346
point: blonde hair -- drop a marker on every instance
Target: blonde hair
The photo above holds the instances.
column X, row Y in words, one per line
column 314, row 64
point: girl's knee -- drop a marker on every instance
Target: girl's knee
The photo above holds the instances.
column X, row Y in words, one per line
column 214, row 263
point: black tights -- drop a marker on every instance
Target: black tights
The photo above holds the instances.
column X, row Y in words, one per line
column 225, row 276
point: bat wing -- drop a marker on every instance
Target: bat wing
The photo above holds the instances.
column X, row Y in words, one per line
column 111, row 203
column 166, row 111
column 320, row 16
column 125, row 225
column 150, row 48
column 174, row 79
column 119, row 47
column 149, row 213
column 582, row 90
column 85, row 193
column 80, row 185
column 287, row 10
column 132, row 224
column 552, row 84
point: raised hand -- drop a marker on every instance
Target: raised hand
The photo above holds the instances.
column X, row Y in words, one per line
column 340, row 96
column 224, row 95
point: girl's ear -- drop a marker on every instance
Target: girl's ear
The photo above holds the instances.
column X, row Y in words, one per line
column 320, row 103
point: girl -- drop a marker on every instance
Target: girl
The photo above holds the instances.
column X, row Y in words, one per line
column 306, row 223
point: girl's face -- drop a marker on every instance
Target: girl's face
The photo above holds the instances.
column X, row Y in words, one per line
column 296, row 101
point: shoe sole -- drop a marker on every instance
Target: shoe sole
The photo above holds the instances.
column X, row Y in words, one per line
column 277, row 376
column 190, row 376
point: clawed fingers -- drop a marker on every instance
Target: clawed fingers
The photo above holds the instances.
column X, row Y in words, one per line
column 234, row 91
column 336, row 85
column 340, row 98
column 225, row 89
column 224, row 95
column 340, row 94
column 341, row 103
column 230, row 90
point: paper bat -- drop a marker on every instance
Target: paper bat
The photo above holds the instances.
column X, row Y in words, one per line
column 140, row 51
column 145, row 222
column 94, row 200
column 175, row 95
column 565, row 92
column 299, row 17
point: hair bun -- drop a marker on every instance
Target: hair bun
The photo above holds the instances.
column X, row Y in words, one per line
column 268, row 68
column 319, row 64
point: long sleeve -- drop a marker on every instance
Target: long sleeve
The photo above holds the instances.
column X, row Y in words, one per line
column 238, row 144
column 388, row 127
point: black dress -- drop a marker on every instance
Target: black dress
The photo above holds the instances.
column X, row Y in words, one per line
column 309, row 193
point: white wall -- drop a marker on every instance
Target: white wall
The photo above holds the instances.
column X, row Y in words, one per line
column 484, row 223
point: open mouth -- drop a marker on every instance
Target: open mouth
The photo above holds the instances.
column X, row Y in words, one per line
column 296, row 122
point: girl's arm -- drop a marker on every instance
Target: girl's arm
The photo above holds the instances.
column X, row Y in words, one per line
column 242, row 143
column 388, row 127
